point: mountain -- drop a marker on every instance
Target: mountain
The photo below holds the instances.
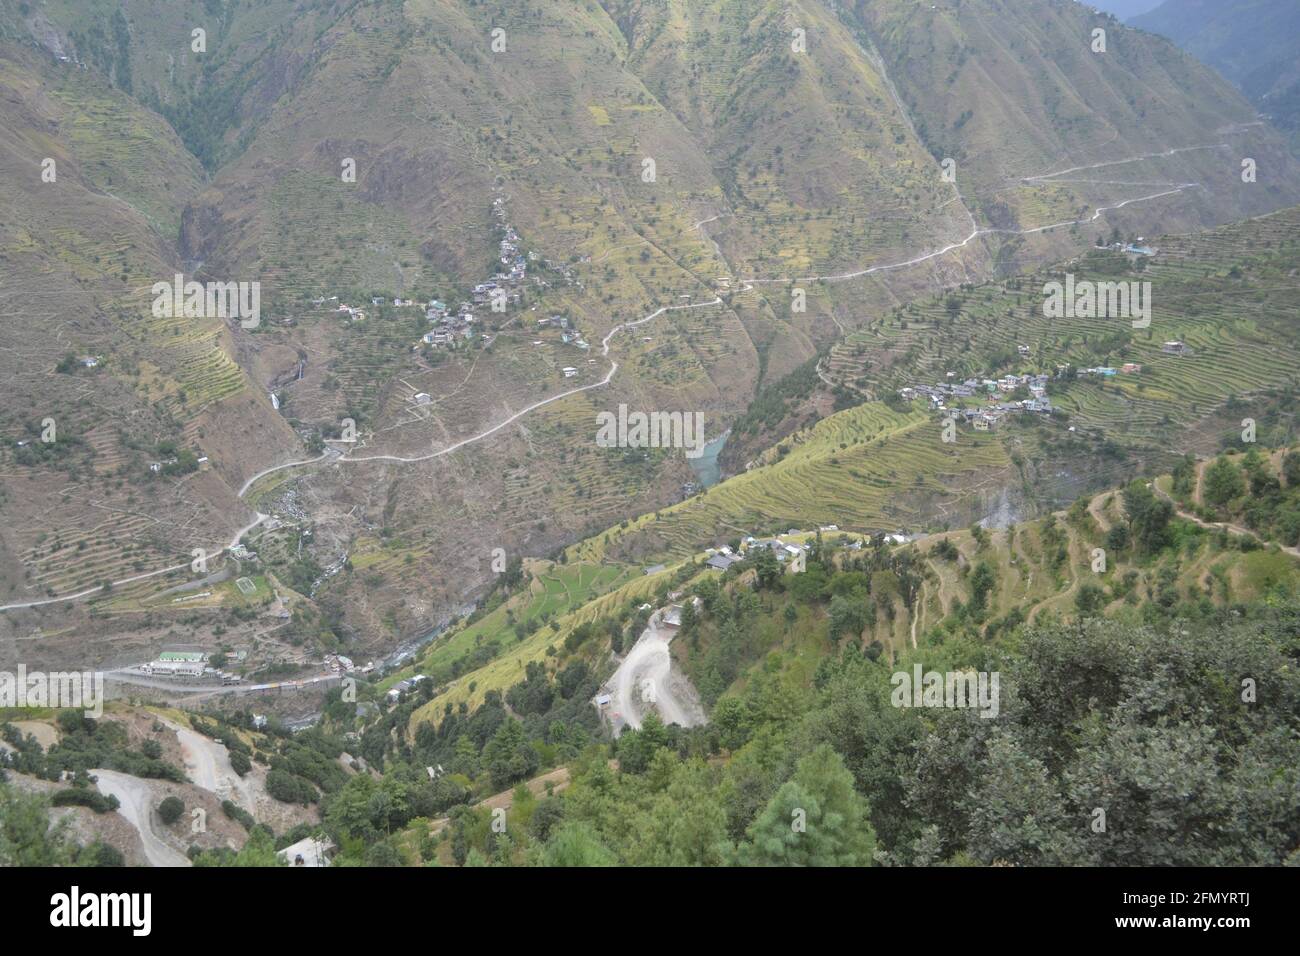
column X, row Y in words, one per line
column 1126, row 9
column 96, row 387
column 881, row 464
column 783, row 662
column 1063, row 626
column 800, row 146
column 1251, row 42
column 1214, row 371
column 593, row 432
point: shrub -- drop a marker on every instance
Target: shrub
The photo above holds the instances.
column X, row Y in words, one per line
column 170, row 810
column 85, row 797
column 238, row 814
column 288, row 788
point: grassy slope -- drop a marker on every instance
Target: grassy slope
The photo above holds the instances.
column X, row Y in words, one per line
column 508, row 668
column 1227, row 293
column 1039, row 567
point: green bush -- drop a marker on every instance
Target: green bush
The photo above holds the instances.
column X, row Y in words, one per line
column 85, row 797
column 170, row 810
column 238, row 814
column 240, row 763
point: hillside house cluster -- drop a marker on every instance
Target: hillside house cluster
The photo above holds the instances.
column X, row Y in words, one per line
column 722, row 559
column 568, row 334
column 509, row 280
column 405, row 686
column 354, row 314
column 448, row 327
column 942, row 394
column 793, row 557
column 566, row 271
column 338, row 664
column 1137, row 247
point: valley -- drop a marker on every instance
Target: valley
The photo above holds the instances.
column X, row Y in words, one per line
column 977, row 324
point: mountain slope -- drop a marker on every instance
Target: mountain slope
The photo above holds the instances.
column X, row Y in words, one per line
column 92, row 186
column 816, row 168
column 1251, row 42
column 1125, row 9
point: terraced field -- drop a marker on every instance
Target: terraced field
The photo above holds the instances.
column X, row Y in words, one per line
column 554, row 590
column 868, row 468
column 1041, row 566
column 107, row 141
column 119, row 546
column 350, row 244
column 771, row 164
column 1229, row 295
column 508, row 668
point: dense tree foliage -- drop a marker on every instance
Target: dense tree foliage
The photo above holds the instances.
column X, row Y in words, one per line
column 29, row 838
column 1115, row 744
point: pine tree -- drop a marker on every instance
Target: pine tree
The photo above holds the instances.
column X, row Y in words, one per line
column 816, row 818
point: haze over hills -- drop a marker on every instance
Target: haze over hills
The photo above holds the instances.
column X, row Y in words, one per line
column 1125, row 9
column 1251, row 42
column 797, row 144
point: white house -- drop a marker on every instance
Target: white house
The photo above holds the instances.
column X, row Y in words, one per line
column 174, row 668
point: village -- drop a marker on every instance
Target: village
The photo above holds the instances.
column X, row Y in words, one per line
column 792, row 557
column 999, row 394
column 790, row 549
column 505, row 289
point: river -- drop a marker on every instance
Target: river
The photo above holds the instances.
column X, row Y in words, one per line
column 707, row 471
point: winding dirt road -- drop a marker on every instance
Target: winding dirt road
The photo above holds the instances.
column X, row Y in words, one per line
column 136, row 798
column 745, row 285
column 1234, row 529
column 208, row 765
column 646, row 682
